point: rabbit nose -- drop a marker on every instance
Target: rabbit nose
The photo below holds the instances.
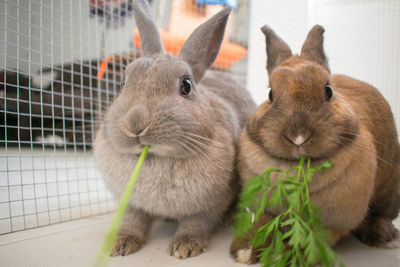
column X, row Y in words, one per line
column 143, row 131
column 136, row 121
column 298, row 140
column 138, row 132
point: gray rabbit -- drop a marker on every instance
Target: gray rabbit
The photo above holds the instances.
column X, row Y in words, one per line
column 192, row 124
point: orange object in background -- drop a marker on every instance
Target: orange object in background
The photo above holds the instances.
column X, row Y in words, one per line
column 118, row 60
column 103, row 67
column 185, row 16
column 229, row 53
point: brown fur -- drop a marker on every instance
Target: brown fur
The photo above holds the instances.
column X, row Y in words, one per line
column 355, row 131
column 241, row 244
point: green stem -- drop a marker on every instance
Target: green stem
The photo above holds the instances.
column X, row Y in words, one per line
column 305, row 181
column 300, row 168
column 111, row 237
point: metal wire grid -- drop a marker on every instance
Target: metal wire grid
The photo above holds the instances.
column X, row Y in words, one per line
column 45, row 182
column 51, row 102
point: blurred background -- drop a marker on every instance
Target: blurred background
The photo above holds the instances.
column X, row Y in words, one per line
column 61, row 65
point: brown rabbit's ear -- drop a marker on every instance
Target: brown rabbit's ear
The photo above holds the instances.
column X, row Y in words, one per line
column 277, row 50
column 313, row 47
column 150, row 40
column 202, row 47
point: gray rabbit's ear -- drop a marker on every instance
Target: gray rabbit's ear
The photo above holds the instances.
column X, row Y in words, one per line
column 150, row 40
column 277, row 50
column 202, row 46
column 313, row 47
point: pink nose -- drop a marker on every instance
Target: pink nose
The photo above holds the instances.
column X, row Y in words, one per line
column 299, row 140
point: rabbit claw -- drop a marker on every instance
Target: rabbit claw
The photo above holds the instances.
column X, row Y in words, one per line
column 185, row 247
column 126, row 245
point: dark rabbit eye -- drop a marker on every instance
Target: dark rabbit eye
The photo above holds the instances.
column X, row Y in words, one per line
column 328, row 92
column 186, row 87
column 123, row 82
column 270, row 96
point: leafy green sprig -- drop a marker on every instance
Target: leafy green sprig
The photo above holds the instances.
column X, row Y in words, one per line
column 297, row 237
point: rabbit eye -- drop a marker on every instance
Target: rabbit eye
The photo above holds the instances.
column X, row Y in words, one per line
column 270, row 96
column 186, row 87
column 123, row 82
column 328, row 92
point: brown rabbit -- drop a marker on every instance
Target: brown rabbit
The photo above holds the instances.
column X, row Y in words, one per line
column 192, row 124
column 325, row 117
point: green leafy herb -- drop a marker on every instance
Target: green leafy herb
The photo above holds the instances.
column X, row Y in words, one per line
column 297, row 237
column 111, row 237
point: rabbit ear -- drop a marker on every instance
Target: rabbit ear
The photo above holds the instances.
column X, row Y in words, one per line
column 150, row 41
column 277, row 50
column 202, row 46
column 313, row 47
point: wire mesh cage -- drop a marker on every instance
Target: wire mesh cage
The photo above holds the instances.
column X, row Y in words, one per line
column 60, row 67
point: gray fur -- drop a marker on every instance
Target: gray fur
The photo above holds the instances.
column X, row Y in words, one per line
column 189, row 173
column 150, row 42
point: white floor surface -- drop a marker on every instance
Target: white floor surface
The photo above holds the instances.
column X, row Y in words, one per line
column 76, row 243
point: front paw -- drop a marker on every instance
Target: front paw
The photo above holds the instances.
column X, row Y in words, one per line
column 242, row 252
column 379, row 232
column 184, row 247
column 126, row 245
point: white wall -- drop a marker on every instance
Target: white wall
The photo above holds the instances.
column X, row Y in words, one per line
column 362, row 40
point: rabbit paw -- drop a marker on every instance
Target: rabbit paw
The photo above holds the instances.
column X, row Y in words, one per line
column 395, row 243
column 379, row 232
column 242, row 252
column 184, row 247
column 126, row 245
